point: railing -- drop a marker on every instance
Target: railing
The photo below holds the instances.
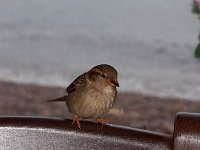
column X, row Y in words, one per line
column 53, row 133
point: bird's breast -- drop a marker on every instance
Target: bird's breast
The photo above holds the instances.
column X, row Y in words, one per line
column 110, row 90
column 93, row 103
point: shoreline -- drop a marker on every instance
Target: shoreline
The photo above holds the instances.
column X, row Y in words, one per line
column 131, row 109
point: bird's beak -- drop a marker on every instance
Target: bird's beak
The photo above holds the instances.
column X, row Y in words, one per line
column 115, row 82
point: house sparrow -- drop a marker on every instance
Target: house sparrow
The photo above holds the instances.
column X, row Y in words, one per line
column 92, row 94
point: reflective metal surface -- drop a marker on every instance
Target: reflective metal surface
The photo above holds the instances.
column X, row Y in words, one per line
column 54, row 133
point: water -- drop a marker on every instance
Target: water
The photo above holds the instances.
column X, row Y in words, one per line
column 150, row 43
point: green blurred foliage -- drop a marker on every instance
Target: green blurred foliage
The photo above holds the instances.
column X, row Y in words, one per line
column 197, row 51
column 196, row 10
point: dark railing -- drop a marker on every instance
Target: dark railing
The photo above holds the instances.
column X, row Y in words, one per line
column 53, row 133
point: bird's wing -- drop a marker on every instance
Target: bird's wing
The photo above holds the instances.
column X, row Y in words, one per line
column 78, row 83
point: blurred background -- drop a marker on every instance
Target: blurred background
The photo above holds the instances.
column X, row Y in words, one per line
column 45, row 45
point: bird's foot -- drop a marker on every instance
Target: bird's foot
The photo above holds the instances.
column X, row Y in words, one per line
column 77, row 120
column 102, row 120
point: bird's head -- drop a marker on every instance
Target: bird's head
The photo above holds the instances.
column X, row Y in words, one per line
column 104, row 75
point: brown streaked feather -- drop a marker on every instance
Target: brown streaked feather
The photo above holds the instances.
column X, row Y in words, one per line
column 79, row 82
column 104, row 68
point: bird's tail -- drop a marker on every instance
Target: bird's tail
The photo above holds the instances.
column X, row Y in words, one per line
column 60, row 99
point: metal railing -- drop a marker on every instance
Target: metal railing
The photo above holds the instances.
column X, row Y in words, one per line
column 54, row 133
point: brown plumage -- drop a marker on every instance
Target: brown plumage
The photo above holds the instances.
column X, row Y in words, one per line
column 92, row 94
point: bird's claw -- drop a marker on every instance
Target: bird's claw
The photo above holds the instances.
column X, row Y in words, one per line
column 102, row 120
column 77, row 120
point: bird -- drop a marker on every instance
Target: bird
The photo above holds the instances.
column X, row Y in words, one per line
column 92, row 94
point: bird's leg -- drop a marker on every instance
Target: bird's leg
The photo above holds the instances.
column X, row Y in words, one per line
column 77, row 120
column 102, row 121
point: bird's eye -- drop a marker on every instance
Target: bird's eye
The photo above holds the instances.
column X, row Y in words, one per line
column 103, row 76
